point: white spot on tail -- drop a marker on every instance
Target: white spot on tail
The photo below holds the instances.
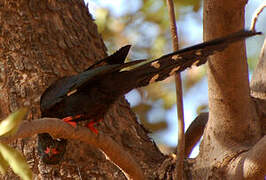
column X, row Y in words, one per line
column 195, row 63
column 198, row 53
column 156, row 64
column 154, row 78
column 174, row 70
column 176, row 57
column 72, row 92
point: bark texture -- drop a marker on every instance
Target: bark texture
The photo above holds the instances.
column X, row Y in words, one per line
column 41, row 41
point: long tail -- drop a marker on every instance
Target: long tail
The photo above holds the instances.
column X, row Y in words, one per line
column 148, row 72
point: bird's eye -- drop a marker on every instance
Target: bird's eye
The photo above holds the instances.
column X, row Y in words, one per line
column 58, row 139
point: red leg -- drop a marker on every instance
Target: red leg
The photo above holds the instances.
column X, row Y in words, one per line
column 70, row 121
column 91, row 127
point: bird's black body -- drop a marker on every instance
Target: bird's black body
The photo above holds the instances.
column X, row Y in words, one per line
column 93, row 91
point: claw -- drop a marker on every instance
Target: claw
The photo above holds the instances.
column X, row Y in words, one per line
column 70, row 121
column 74, row 124
column 92, row 128
column 67, row 119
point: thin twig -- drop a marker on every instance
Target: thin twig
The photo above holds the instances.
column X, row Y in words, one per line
column 256, row 15
column 80, row 177
column 179, row 97
column 59, row 129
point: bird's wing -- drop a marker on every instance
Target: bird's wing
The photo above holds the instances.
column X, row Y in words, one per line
column 118, row 57
column 67, row 86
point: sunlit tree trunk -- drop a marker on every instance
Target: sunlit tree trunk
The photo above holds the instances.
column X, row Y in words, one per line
column 234, row 125
column 41, row 41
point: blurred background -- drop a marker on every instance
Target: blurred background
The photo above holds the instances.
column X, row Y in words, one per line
column 145, row 25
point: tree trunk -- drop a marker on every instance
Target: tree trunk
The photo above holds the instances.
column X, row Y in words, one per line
column 41, row 41
column 44, row 40
column 234, row 126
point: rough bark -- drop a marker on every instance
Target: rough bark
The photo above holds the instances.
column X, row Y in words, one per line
column 41, row 41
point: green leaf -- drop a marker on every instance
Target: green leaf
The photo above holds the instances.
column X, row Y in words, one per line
column 3, row 165
column 9, row 125
column 16, row 161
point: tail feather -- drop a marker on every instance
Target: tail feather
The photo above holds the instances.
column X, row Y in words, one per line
column 156, row 70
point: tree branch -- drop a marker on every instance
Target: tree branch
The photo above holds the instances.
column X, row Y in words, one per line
column 179, row 96
column 195, row 131
column 231, row 113
column 258, row 81
column 59, row 129
column 256, row 15
column 254, row 166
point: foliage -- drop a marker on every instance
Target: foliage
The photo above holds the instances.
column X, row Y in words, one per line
column 9, row 156
column 9, row 125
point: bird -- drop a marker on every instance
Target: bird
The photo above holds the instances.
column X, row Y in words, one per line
column 89, row 94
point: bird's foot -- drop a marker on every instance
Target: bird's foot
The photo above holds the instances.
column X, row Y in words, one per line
column 70, row 120
column 92, row 128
